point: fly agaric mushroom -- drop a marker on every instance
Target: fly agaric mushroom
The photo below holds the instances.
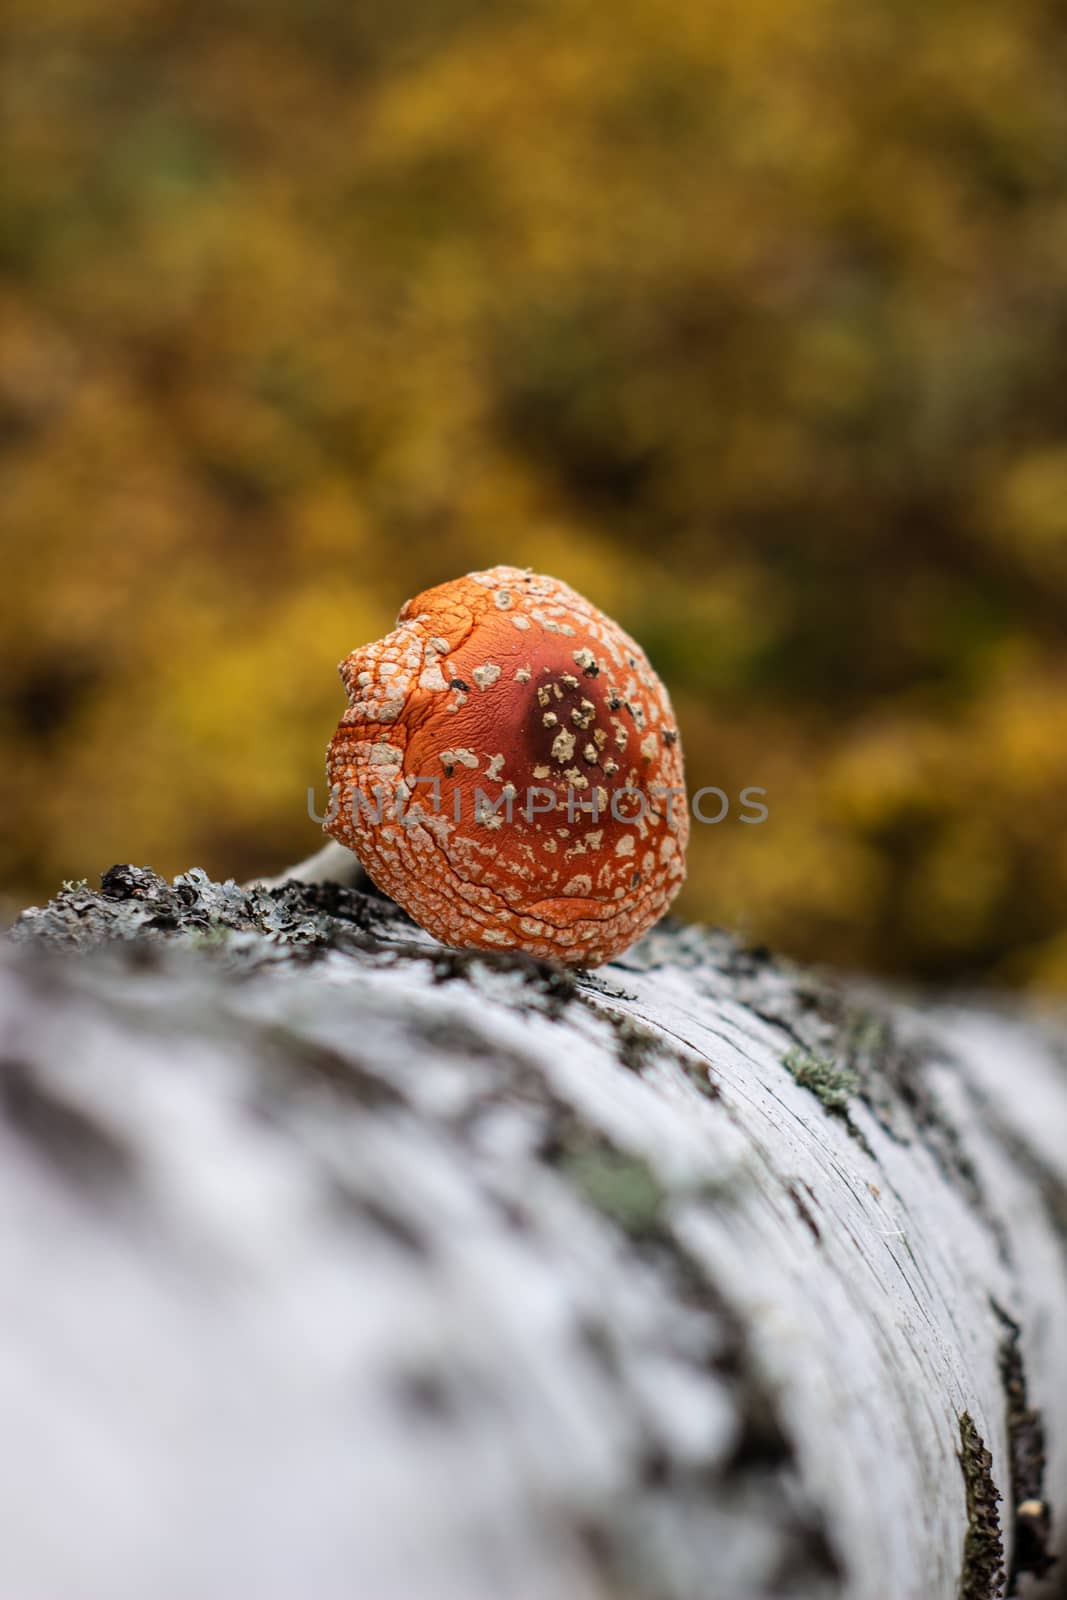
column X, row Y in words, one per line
column 509, row 770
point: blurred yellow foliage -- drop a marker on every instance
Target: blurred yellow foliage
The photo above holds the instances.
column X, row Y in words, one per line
column 748, row 320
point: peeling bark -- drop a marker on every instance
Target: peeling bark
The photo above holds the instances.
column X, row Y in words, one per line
column 340, row 1264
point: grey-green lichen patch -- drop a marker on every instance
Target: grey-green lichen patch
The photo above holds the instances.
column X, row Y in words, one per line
column 830, row 1083
column 982, row 1573
column 136, row 904
column 622, row 1186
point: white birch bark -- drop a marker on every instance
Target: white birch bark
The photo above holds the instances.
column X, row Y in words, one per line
column 337, row 1266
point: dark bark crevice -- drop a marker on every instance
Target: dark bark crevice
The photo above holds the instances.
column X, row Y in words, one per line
column 1026, row 1441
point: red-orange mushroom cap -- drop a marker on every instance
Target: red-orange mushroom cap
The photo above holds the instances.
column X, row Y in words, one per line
column 509, row 770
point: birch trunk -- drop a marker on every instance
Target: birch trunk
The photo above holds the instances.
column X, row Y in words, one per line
column 340, row 1266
